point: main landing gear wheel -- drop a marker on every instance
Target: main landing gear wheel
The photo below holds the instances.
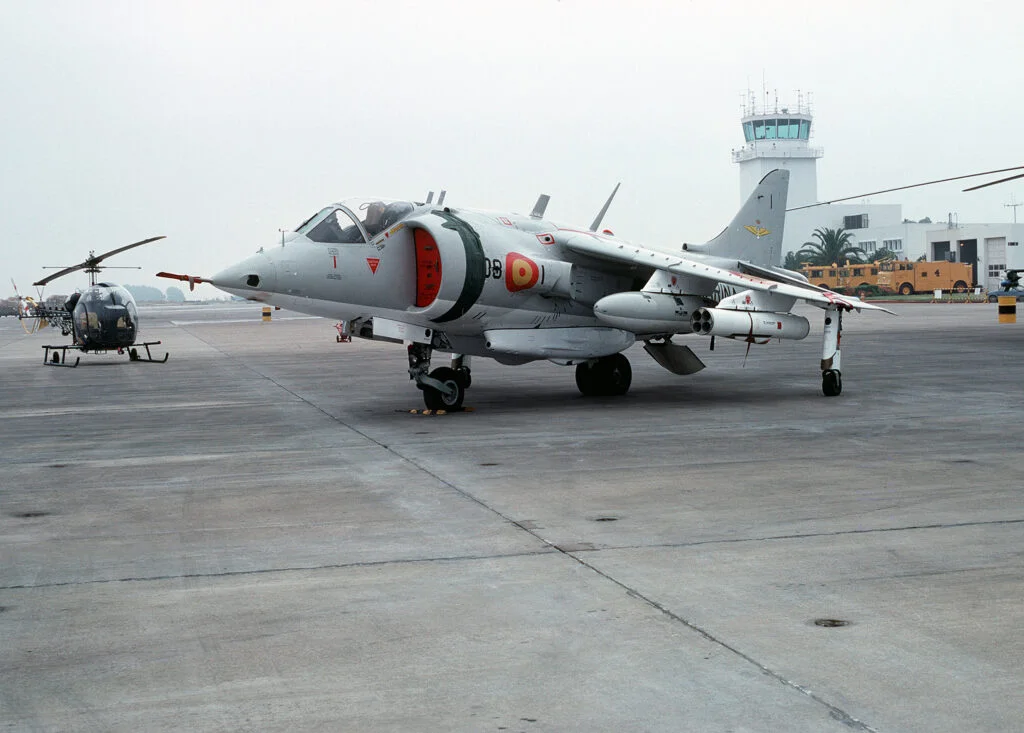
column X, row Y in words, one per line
column 454, row 382
column 609, row 376
column 831, row 383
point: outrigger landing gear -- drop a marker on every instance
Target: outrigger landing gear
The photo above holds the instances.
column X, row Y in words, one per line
column 831, row 377
column 609, row 376
column 445, row 387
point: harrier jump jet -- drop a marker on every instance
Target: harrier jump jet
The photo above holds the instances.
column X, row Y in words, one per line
column 521, row 288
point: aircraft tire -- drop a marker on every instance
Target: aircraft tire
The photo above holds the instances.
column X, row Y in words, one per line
column 133, row 354
column 436, row 400
column 831, row 383
column 586, row 380
column 616, row 375
column 609, row 376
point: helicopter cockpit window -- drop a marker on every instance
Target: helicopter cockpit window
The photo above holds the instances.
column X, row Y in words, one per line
column 337, row 227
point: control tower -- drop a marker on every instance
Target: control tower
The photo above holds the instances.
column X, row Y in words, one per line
column 778, row 137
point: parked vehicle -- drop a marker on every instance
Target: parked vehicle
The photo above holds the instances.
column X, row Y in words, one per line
column 906, row 277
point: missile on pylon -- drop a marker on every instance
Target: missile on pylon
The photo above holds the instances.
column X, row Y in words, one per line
column 737, row 324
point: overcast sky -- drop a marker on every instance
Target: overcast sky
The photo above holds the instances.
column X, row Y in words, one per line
column 216, row 123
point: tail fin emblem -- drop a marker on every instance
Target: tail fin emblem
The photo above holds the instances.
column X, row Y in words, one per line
column 756, row 229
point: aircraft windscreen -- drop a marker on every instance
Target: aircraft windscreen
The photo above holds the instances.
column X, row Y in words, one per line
column 337, row 227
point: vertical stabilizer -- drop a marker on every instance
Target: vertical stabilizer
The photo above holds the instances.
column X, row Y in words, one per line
column 755, row 234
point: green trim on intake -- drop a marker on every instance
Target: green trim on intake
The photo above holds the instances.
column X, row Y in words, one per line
column 474, row 283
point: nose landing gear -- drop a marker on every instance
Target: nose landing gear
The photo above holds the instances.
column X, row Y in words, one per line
column 443, row 388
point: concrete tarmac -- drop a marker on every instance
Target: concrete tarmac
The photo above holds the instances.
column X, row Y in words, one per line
column 258, row 535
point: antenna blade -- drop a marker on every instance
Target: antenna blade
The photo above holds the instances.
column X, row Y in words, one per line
column 540, row 207
column 440, row 199
column 604, row 209
column 430, row 196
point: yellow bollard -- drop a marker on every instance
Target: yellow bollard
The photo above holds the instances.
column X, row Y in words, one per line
column 1007, row 309
column 266, row 314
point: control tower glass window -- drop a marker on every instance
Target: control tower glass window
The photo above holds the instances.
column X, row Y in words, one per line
column 748, row 131
column 805, row 129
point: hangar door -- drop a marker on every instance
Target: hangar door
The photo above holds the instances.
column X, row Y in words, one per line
column 995, row 262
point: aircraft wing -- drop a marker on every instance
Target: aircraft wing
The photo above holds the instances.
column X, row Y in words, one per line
column 754, row 278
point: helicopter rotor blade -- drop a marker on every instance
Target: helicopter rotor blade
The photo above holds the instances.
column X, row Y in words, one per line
column 918, row 185
column 99, row 258
column 94, row 260
column 992, row 183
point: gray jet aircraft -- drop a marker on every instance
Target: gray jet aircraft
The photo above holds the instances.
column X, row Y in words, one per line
column 520, row 288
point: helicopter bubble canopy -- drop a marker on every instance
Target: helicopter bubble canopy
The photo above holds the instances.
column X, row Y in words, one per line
column 105, row 317
column 354, row 220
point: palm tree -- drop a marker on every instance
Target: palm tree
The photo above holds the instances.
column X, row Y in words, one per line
column 833, row 247
column 883, row 255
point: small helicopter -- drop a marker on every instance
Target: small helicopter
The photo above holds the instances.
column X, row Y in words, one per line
column 101, row 318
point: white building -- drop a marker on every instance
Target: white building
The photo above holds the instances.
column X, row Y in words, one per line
column 779, row 137
column 992, row 248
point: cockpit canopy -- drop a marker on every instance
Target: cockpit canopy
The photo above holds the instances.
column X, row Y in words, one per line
column 354, row 221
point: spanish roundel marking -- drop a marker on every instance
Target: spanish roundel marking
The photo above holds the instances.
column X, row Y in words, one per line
column 373, row 262
column 521, row 273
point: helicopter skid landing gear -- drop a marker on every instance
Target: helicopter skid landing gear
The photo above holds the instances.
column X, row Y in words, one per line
column 445, row 387
column 58, row 359
column 133, row 353
column 831, row 376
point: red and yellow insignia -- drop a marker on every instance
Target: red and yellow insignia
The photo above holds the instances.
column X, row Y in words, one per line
column 521, row 273
column 756, row 229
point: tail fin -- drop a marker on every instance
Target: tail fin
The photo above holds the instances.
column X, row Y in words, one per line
column 755, row 235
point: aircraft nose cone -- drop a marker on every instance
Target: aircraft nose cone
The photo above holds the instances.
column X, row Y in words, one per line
column 257, row 273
